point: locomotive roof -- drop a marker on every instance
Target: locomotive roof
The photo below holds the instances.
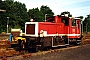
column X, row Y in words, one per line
column 53, row 17
column 58, row 16
column 75, row 18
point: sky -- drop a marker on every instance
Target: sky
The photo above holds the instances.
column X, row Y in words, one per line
column 75, row 7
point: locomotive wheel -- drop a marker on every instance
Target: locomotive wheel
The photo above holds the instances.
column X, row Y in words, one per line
column 73, row 43
column 19, row 44
column 40, row 47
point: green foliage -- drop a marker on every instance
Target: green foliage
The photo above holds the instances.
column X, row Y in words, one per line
column 0, row 0
column 35, row 14
column 46, row 10
column 16, row 12
column 86, row 24
column 39, row 15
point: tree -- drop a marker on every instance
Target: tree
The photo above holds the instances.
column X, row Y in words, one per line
column 0, row 2
column 39, row 15
column 17, row 13
column 66, row 12
column 46, row 10
column 87, row 23
column 35, row 14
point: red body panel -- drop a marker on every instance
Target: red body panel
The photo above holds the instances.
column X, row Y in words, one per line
column 51, row 28
column 56, row 25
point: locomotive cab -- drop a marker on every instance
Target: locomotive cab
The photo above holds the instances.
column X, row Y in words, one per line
column 75, row 31
column 65, row 21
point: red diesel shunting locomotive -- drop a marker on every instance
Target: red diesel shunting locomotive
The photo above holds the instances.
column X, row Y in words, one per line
column 56, row 31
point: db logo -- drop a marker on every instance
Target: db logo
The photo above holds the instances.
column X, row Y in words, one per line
column 73, row 30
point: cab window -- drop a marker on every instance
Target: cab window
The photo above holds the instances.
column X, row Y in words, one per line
column 65, row 21
column 73, row 22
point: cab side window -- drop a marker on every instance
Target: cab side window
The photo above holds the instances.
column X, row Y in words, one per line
column 73, row 22
column 65, row 21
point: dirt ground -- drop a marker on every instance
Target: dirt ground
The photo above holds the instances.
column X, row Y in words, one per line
column 81, row 53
